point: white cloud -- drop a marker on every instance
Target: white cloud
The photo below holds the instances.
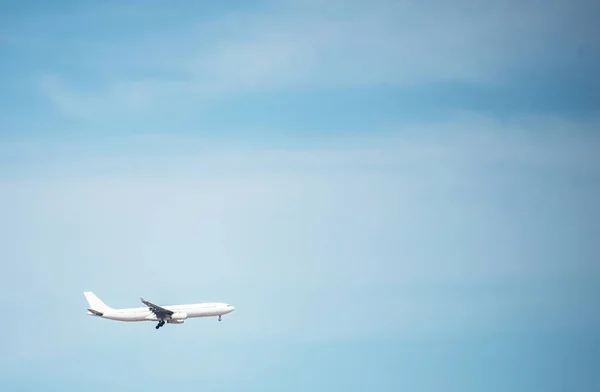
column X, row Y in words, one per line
column 136, row 97
column 305, row 45
column 379, row 198
column 441, row 231
column 389, row 42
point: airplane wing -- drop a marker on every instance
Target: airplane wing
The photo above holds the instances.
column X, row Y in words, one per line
column 157, row 310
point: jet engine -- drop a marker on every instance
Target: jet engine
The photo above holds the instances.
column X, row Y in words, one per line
column 177, row 318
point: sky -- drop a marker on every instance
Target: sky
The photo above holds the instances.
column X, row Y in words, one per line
column 395, row 195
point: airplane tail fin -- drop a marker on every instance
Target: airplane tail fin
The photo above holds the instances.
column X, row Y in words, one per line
column 95, row 302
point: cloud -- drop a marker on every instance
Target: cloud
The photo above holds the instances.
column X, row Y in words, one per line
column 386, row 42
column 381, row 199
column 131, row 97
column 304, row 46
column 472, row 227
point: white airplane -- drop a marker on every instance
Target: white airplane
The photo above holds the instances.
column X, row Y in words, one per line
column 175, row 314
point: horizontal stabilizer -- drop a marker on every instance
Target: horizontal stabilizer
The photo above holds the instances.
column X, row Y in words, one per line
column 95, row 312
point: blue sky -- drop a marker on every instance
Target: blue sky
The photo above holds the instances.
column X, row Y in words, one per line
column 394, row 195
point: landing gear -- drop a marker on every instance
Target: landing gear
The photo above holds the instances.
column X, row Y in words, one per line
column 219, row 318
column 160, row 324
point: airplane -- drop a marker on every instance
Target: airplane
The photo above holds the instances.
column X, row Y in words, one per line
column 175, row 314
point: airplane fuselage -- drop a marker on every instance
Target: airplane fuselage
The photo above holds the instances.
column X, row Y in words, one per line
column 181, row 312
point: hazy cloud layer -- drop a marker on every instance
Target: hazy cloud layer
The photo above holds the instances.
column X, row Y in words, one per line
column 309, row 45
column 304, row 161
column 440, row 232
